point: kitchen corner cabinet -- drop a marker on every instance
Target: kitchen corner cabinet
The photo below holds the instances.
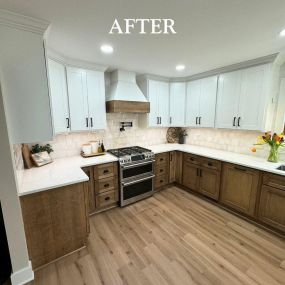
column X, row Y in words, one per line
column 157, row 92
column 239, row 188
column 56, row 222
column 86, row 92
column 272, row 200
column 59, row 97
column 202, row 175
column 243, row 97
column 177, row 104
column 201, row 102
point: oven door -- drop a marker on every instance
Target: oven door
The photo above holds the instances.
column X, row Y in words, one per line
column 130, row 172
column 136, row 189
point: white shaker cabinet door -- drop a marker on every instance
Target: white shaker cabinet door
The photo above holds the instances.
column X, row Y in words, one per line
column 96, row 99
column 153, row 100
column 163, row 104
column 177, row 103
column 193, row 103
column 254, row 83
column 59, row 98
column 228, row 100
column 78, row 103
column 208, row 97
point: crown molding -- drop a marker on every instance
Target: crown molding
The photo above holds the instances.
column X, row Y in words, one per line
column 54, row 55
column 21, row 22
column 143, row 77
column 237, row 66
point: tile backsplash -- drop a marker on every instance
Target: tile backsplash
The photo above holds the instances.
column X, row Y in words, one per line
column 230, row 140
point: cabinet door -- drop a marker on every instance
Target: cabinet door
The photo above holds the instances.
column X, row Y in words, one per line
column 59, row 99
column 153, row 100
column 163, row 104
column 239, row 188
column 96, row 99
column 207, row 104
column 254, row 82
column 210, row 183
column 193, row 103
column 90, row 189
column 172, row 166
column 190, row 176
column 271, row 208
column 177, row 104
column 228, row 100
column 78, row 103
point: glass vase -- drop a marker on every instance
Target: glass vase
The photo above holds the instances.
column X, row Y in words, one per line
column 273, row 154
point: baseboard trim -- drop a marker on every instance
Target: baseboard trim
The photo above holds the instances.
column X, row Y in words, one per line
column 23, row 276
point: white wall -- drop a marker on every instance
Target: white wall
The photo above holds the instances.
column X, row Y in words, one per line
column 11, row 207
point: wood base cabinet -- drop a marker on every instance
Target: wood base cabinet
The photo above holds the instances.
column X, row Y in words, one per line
column 272, row 201
column 161, row 169
column 56, row 222
column 239, row 188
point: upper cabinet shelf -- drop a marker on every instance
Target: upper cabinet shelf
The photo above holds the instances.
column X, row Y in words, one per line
column 77, row 98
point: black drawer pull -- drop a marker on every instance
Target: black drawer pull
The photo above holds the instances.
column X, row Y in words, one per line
column 161, row 159
column 107, row 198
column 210, row 164
column 191, row 158
column 107, row 185
column 160, row 170
column 106, row 171
column 161, row 181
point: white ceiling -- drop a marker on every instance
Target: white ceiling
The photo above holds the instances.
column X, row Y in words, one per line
column 210, row 33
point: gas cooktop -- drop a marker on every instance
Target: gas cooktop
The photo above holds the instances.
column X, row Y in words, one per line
column 131, row 154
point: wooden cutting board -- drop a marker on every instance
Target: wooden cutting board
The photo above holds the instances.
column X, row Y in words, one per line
column 27, row 156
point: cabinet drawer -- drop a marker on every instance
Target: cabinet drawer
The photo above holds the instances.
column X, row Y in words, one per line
column 161, row 158
column 191, row 158
column 273, row 180
column 161, row 180
column 106, row 184
column 106, row 199
column 161, row 169
column 211, row 163
column 105, row 170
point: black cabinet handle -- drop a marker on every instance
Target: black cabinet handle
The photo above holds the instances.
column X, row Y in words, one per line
column 170, row 120
column 107, row 198
column 210, row 164
column 160, row 170
column 107, row 185
column 196, row 120
column 234, row 122
column 68, row 123
column 200, row 120
column 191, row 158
column 238, row 121
column 161, row 181
column 170, row 157
column 160, row 120
column 157, row 120
column 86, row 122
column 91, row 122
column 105, row 171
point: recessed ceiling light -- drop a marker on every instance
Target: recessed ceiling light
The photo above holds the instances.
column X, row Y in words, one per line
column 107, row 49
column 282, row 33
column 180, row 67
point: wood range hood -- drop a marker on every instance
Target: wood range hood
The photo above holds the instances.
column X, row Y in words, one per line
column 124, row 95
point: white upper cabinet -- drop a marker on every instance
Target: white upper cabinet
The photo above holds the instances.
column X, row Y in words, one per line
column 78, row 101
column 177, row 103
column 242, row 98
column 228, row 100
column 96, row 99
column 58, row 95
column 201, row 102
column 157, row 93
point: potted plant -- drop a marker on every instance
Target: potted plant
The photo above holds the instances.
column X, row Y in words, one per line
column 274, row 141
column 182, row 134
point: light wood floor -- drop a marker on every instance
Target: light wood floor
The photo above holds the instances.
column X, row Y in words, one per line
column 171, row 238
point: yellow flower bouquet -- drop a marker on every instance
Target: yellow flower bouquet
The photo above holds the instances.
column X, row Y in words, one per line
column 274, row 141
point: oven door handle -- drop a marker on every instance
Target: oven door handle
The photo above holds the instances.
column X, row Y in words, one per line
column 137, row 164
column 138, row 180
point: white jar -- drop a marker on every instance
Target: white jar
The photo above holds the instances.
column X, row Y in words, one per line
column 94, row 146
column 86, row 149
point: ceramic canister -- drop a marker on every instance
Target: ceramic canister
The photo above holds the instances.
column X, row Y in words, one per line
column 94, row 146
column 86, row 149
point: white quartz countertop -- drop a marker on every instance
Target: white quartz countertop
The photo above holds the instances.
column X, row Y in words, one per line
column 61, row 172
column 67, row 171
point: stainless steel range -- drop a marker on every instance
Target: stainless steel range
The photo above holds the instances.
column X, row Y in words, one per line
column 136, row 173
